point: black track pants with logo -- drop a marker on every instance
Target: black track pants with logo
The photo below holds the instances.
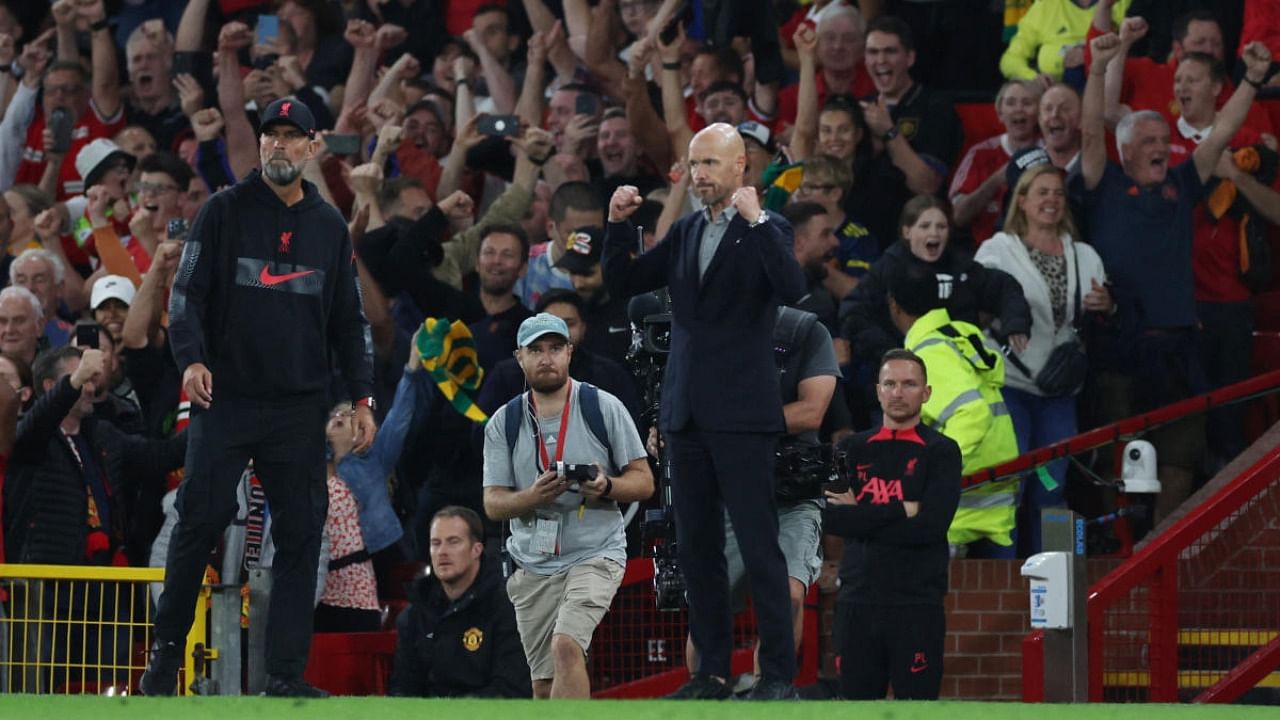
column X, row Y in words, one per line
column 883, row 645
column 285, row 440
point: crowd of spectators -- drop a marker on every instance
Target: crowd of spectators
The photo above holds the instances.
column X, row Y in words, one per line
column 473, row 146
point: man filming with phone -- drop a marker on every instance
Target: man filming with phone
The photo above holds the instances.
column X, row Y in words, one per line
column 893, row 511
column 558, row 474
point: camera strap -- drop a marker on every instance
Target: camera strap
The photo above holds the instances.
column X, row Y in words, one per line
column 543, row 455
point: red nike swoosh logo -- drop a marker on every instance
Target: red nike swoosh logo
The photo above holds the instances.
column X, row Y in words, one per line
column 921, row 668
column 266, row 278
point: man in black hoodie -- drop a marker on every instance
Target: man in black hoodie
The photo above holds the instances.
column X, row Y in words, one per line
column 265, row 292
column 458, row 637
column 904, row 488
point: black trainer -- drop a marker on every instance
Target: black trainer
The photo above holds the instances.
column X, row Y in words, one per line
column 161, row 677
column 292, row 687
column 773, row 690
column 702, row 687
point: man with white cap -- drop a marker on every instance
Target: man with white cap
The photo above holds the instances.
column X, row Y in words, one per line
column 105, row 209
column 110, row 300
column 558, row 474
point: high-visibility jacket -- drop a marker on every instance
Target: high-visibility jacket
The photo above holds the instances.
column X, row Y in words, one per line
column 966, row 405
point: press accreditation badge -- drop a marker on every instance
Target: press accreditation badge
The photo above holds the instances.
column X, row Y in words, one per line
column 546, row 534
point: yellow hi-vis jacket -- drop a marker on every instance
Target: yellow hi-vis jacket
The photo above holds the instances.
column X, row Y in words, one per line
column 966, row 406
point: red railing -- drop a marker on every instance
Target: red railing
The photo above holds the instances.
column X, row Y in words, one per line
column 1174, row 617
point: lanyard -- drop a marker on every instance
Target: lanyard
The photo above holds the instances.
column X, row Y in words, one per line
column 564, row 426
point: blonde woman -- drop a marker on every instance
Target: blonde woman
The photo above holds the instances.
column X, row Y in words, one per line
column 1039, row 248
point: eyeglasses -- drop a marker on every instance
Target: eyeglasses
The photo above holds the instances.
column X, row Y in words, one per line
column 157, row 188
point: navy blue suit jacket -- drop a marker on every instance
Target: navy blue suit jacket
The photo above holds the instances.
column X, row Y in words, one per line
column 721, row 374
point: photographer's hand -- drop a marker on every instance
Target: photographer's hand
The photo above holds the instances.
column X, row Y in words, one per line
column 595, row 488
column 546, row 489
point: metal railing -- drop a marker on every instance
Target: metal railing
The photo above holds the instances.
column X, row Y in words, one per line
column 70, row 629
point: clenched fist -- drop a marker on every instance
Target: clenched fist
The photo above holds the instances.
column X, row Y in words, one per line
column 747, row 203
column 624, row 202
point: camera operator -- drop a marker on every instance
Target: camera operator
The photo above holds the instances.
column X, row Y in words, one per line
column 559, row 483
column 903, row 489
column 808, row 373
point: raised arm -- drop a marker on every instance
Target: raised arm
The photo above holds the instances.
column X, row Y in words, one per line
column 363, row 38
column 1257, row 61
column 807, row 110
column 642, row 118
column 242, row 146
column 673, row 109
column 501, row 87
column 142, row 323
column 1131, row 31
column 530, row 105
column 106, row 72
column 190, row 35
column 1093, row 151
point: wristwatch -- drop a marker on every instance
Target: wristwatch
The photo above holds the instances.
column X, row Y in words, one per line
column 889, row 134
column 364, row 402
column 762, row 219
column 16, row 69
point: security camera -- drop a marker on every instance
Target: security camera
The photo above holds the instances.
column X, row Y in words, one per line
column 1138, row 474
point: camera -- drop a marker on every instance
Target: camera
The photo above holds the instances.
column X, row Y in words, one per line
column 577, row 473
column 802, row 472
column 659, row 531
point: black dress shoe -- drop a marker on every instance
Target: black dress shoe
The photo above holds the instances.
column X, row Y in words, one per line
column 773, row 690
column 292, row 687
column 702, row 687
column 161, row 677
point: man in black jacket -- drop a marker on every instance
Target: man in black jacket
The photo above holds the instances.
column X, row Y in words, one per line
column 66, row 502
column 458, row 636
column 904, row 488
column 727, row 268
column 265, row 293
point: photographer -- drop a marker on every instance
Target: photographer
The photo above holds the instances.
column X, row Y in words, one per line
column 567, row 537
column 808, row 372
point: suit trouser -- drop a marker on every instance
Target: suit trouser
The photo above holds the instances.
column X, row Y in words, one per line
column 716, row 472
column 285, row 440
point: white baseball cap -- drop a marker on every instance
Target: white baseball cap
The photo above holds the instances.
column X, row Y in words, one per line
column 111, row 286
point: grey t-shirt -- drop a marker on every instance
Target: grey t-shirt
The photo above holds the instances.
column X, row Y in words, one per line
column 817, row 358
column 599, row 531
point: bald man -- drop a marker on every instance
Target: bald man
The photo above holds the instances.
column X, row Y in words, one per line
column 727, row 267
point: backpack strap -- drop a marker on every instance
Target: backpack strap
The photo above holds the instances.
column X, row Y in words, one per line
column 979, row 348
column 588, row 402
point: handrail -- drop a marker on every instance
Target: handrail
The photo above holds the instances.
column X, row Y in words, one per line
column 1157, row 562
column 1099, row 437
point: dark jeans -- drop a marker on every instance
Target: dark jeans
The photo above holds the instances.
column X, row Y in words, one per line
column 286, row 443
column 1226, row 351
column 716, row 472
column 1039, row 421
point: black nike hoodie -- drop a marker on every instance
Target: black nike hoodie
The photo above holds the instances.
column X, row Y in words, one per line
column 265, row 292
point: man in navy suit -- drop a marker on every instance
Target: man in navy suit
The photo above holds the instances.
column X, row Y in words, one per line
column 727, row 268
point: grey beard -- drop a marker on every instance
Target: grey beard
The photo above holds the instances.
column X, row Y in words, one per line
column 282, row 172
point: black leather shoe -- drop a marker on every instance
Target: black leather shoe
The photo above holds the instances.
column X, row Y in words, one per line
column 161, row 677
column 292, row 687
column 702, row 687
column 773, row 690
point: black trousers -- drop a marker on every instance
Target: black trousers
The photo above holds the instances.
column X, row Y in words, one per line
column 714, row 472
column 883, row 645
column 286, row 443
